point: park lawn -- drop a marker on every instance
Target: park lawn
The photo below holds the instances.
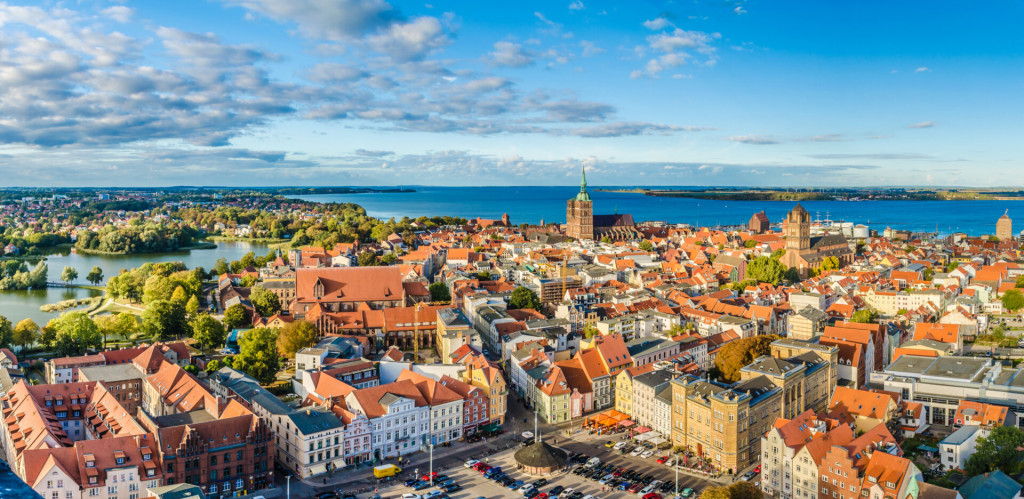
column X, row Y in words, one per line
column 114, row 307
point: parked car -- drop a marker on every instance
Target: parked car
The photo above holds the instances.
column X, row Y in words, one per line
column 620, row 445
column 515, row 485
column 637, row 451
column 687, row 492
column 471, row 463
column 652, row 495
column 647, row 454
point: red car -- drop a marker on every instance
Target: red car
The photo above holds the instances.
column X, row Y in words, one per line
column 757, row 469
column 636, row 487
column 652, row 495
column 479, row 466
column 484, row 468
column 542, row 495
column 662, row 459
column 426, row 477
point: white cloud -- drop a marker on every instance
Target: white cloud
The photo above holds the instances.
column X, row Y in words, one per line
column 922, row 69
column 759, row 140
column 119, row 13
column 677, row 47
column 411, row 40
column 576, row 5
column 657, row 24
column 510, row 54
column 923, row 124
column 590, row 49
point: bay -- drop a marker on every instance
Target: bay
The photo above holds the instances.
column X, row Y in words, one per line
column 532, row 204
column 17, row 305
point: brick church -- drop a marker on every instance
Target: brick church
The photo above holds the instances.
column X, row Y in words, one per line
column 581, row 223
column 805, row 252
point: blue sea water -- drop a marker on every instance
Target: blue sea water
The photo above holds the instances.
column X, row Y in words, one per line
column 531, row 204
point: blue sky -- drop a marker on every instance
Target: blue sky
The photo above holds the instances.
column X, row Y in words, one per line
column 372, row 92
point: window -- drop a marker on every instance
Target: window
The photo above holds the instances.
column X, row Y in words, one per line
column 239, row 484
column 213, row 460
column 213, row 474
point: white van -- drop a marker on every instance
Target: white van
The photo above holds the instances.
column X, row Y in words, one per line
column 646, row 490
column 593, row 462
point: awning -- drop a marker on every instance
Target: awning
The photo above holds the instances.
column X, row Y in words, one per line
column 627, row 423
column 657, row 441
column 654, row 434
column 642, row 429
column 317, row 469
column 643, row 437
column 339, row 463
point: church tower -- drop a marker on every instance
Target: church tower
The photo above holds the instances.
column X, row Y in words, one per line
column 798, row 229
column 1004, row 227
column 579, row 213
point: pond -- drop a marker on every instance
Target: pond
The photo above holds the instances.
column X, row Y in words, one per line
column 17, row 305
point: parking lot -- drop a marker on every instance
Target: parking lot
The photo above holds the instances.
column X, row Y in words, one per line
column 569, row 484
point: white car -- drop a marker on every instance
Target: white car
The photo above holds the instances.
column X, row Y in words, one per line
column 619, row 445
column 670, row 461
column 647, row 454
column 526, row 488
column 637, row 451
column 410, row 495
column 605, row 479
column 566, row 493
column 656, row 483
column 646, row 490
column 470, row 463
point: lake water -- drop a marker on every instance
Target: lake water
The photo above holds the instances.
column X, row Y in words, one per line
column 17, row 305
column 531, row 204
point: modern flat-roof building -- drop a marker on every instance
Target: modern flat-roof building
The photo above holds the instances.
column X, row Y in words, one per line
column 940, row 383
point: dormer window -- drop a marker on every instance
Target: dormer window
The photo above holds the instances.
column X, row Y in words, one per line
column 318, row 289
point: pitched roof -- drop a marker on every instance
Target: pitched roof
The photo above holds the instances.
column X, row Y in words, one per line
column 433, row 392
column 349, row 284
column 860, row 402
column 369, row 399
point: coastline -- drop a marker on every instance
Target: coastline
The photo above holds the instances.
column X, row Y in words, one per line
column 197, row 246
column 718, row 194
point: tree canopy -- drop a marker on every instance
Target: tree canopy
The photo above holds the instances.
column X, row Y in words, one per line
column 766, row 269
column 22, row 278
column 296, row 336
column 257, row 355
column 739, row 490
column 122, row 325
column 1013, row 300
column 25, row 333
column 738, row 353
column 74, row 332
column 439, row 292
column 164, row 320
column 1000, row 450
column 235, row 317
column 863, row 316
column 523, row 297
column 264, row 301
column 206, row 330
column 6, row 332
column 69, row 274
column 95, row 276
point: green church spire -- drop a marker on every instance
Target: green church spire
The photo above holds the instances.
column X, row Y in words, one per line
column 583, row 196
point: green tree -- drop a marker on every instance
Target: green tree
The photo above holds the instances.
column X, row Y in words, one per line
column 1020, row 282
column 6, row 332
column 523, row 297
column 791, row 275
column 749, row 243
column 235, row 317
column 25, row 333
column 439, row 292
column 1000, row 450
column 606, row 240
column 590, row 332
column 483, row 275
column 47, row 335
column 68, row 274
column 257, row 355
column 123, row 325
column 74, row 332
column 264, row 301
column 646, row 245
column 368, row 259
column 296, row 336
column 716, row 492
column 249, row 280
column 766, row 269
column 388, row 259
column 829, row 263
column 206, row 330
column 213, row 366
column 95, row 276
column 192, row 305
column 164, row 320
column 955, row 265
column 1013, row 300
column 863, row 316
column 738, row 353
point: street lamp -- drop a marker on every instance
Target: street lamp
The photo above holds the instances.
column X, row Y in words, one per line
column 288, row 486
column 431, row 472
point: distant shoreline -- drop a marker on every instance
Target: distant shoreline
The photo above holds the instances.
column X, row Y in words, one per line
column 819, row 195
